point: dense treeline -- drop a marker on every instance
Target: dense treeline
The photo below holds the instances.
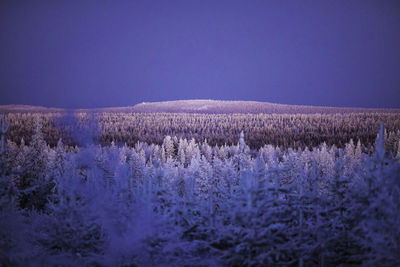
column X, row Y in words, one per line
column 186, row 203
column 283, row 130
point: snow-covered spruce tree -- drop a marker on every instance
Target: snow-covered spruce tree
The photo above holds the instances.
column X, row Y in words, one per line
column 376, row 208
column 105, row 160
column 398, row 150
column 58, row 164
column 33, row 181
column 201, row 172
column 72, row 228
column 206, row 151
column 221, row 152
column 242, row 158
column 4, row 130
column 258, row 232
column 12, row 151
column 192, row 150
column 170, row 176
column 256, row 227
column 169, row 147
column 293, row 166
column 163, row 154
column 358, row 150
column 221, row 180
column 307, row 199
column 21, row 156
column 325, row 160
column 182, row 146
column 137, row 166
column 162, row 188
column 15, row 246
column 269, row 154
column 340, row 244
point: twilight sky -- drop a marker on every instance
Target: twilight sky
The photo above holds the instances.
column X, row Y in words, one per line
column 118, row 53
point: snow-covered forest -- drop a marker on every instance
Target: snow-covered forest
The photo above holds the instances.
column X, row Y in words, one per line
column 187, row 203
column 282, row 130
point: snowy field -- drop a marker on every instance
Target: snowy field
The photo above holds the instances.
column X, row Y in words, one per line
column 184, row 202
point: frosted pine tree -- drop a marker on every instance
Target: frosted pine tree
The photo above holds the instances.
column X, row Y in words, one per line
column 60, row 157
column 163, row 154
column 191, row 151
column 169, row 146
column 200, row 170
column 4, row 130
column 398, row 150
column 8, row 191
column 220, row 181
column 206, row 151
column 137, row 165
column 380, row 144
column 268, row 153
column 326, row 160
column 259, row 231
column 124, row 154
column 37, row 156
column 242, row 144
column 21, row 157
column 104, row 165
column 242, row 158
column 72, row 227
column 349, row 157
column 221, row 152
column 170, row 173
column 376, row 205
column 33, row 183
column 259, row 168
column 350, row 148
column 14, row 231
column 12, row 151
column 181, row 151
column 358, row 151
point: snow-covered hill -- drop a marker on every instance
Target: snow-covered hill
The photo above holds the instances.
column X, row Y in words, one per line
column 205, row 106
column 219, row 106
column 27, row 108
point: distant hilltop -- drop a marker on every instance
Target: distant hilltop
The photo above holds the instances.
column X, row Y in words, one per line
column 254, row 107
column 27, row 108
column 207, row 106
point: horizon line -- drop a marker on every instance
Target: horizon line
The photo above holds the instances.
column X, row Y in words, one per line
column 183, row 100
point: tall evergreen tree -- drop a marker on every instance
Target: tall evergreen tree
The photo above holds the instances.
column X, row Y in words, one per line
column 169, row 146
column 33, row 183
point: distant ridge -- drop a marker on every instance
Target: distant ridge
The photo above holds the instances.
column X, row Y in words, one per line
column 254, row 107
column 205, row 106
column 27, row 108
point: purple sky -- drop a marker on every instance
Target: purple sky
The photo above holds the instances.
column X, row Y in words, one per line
column 119, row 53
